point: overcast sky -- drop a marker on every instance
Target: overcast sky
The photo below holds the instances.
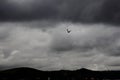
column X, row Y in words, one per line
column 33, row 34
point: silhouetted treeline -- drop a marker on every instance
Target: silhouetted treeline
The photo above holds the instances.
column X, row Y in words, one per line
column 81, row 74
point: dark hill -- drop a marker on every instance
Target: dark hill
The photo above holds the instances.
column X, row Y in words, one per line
column 24, row 73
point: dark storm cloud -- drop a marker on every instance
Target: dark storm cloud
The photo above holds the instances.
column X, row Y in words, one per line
column 38, row 10
column 81, row 10
column 107, row 11
column 72, row 10
column 110, row 11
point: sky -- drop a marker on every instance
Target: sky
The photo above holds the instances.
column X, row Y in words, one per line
column 33, row 34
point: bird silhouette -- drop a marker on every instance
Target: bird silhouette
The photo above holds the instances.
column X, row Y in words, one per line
column 68, row 31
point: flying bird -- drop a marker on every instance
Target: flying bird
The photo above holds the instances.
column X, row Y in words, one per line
column 68, row 31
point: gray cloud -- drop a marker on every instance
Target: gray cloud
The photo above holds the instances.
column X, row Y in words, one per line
column 54, row 49
column 85, row 38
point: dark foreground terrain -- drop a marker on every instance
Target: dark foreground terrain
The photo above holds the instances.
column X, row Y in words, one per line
column 33, row 74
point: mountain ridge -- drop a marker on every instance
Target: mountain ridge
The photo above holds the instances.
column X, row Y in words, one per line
column 26, row 73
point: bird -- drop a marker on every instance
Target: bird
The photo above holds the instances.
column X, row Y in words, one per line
column 68, row 31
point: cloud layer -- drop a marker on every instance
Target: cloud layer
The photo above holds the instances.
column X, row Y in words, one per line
column 37, row 37
column 55, row 49
column 88, row 11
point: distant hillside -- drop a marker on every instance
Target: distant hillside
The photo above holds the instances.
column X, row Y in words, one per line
column 24, row 73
